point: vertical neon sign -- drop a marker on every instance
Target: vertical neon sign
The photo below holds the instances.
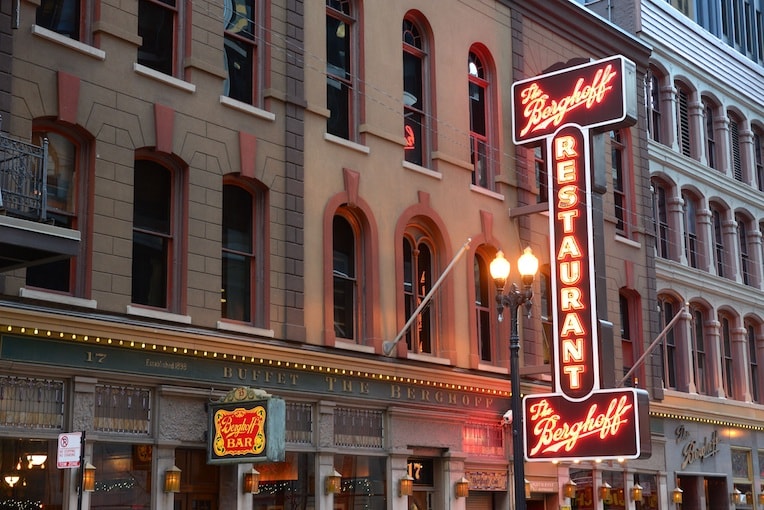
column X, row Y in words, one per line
column 580, row 419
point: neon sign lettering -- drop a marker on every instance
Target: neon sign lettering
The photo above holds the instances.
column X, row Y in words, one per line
column 554, row 434
column 540, row 111
column 580, row 419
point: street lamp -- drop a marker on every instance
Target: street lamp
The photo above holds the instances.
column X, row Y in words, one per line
column 527, row 266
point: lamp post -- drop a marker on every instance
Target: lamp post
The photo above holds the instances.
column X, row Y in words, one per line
column 527, row 266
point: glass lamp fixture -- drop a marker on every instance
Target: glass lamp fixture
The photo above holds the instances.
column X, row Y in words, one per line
column 569, row 489
column 35, row 460
column 333, row 483
column 462, row 488
column 636, row 493
column 172, row 479
column 676, row 495
column 737, row 497
column 12, row 479
column 252, row 481
column 406, row 486
column 88, row 478
column 761, row 499
column 527, row 489
column 605, row 491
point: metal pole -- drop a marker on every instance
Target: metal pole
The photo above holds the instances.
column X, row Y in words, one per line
column 518, row 455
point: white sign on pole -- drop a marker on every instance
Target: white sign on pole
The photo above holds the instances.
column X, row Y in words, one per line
column 69, row 450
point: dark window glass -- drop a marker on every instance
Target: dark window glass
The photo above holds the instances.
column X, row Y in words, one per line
column 339, row 46
column 690, row 230
column 753, row 361
column 413, row 93
column 156, row 27
column 345, row 282
column 417, row 283
column 479, row 144
column 123, row 476
column 62, row 180
column 239, row 44
column 62, row 16
column 483, row 303
column 238, row 255
column 151, row 233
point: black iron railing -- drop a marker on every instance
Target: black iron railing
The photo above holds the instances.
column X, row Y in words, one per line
column 22, row 178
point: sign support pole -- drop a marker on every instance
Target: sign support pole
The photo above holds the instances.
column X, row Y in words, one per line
column 81, row 474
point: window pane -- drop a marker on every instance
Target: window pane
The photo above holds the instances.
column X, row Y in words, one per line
column 123, row 476
column 62, row 16
column 237, row 278
column 152, row 197
column 156, row 26
column 237, row 219
column 344, row 265
column 149, row 270
column 239, row 46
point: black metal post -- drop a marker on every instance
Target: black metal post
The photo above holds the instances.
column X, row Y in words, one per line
column 512, row 300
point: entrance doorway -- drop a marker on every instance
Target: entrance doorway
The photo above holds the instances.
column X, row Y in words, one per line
column 200, row 482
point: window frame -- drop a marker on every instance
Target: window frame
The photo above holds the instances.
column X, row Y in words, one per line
column 620, row 166
column 176, row 56
column 80, row 217
column 754, row 377
column 255, row 49
column 351, row 280
column 692, row 241
column 417, row 50
column 258, row 285
column 720, row 251
column 175, row 258
column 709, row 134
column 654, row 116
column 481, row 80
column 662, row 219
column 700, row 372
column 83, row 10
column 349, row 78
column 484, row 313
column 668, row 308
column 727, row 377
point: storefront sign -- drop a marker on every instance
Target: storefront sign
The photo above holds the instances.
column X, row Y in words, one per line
column 244, row 427
column 579, row 420
column 693, row 450
column 266, row 374
column 487, row 480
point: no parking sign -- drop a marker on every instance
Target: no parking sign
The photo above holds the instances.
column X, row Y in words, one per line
column 69, row 450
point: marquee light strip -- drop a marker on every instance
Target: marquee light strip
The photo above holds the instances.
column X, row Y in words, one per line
column 33, row 331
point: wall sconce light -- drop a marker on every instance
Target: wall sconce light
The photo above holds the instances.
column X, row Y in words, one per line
column 761, row 498
column 605, row 491
column 737, row 497
column 88, row 478
column 569, row 489
column 676, row 495
column 636, row 493
column 462, row 488
column 252, row 481
column 12, row 479
column 333, row 483
column 172, row 479
column 406, row 486
column 527, row 489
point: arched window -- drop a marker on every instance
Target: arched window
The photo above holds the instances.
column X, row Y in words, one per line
column 484, row 305
column 653, row 104
column 345, row 247
column 758, row 156
column 419, row 266
column 416, row 93
column 712, row 156
column 701, row 374
column 692, row 245
column 736, row 126
column 746, row 270
column 720, row 250
column 661, row 218
column 243, row 258
column 157, row 237
column 67, row 205
column 481, row 121
column 683, row 132
column 341, row 68
column 630, row 313
column 728, row 369
column 753, row 361
column 668, row 308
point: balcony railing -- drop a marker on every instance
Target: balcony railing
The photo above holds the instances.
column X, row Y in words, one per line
column 22, row 178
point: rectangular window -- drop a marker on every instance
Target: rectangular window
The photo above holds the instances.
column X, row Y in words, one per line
column 542, row 183
column 708, row 117
column 157, row 27
column 122, row 409
column 742, row 235
column 653, row 104
column 62, row 16
column 737, row 165
column 31, row 403
column 339, row 71
column 690, row 230
column 152, row 234
column 683, row 122
column 719, row 252
column 240, row 47
column 669, row 361
column 661, row 222
column 618, row 162
column 358, row 428
column 758, row 156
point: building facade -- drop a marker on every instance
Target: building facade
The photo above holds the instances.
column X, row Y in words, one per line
column 706, row 125
column 301, row 198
